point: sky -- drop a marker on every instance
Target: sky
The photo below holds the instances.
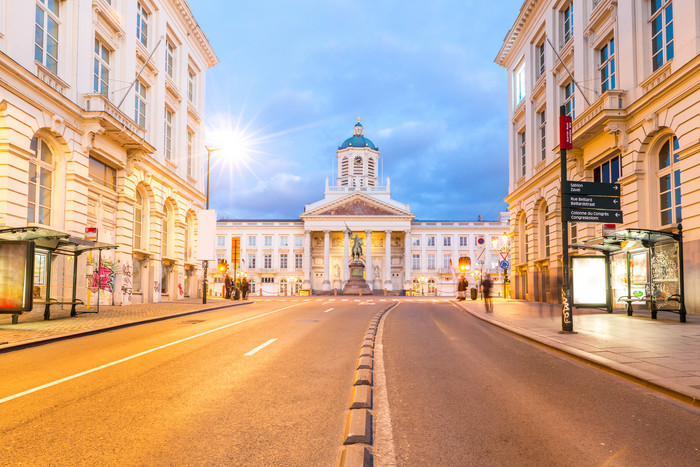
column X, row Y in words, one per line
column 294, row 76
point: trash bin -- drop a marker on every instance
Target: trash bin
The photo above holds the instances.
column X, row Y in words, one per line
column 473, row 291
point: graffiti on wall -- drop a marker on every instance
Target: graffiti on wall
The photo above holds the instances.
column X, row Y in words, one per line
column 101, row 283
column 127, row 283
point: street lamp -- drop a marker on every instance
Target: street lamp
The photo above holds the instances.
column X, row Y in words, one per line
column 205, row 263
column 504, row 250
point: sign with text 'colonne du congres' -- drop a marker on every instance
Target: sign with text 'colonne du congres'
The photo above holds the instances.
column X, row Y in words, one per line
column 592, row 202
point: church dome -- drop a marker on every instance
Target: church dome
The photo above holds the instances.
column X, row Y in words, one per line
column 357, row 140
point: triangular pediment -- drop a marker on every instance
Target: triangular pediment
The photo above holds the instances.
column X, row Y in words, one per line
column 357, row 205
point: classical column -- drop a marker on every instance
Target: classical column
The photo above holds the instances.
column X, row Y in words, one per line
column 326, row 260
column 346, row 265
column 369, row 273
column 387, row 260
column 306, row 284
column 407, row 266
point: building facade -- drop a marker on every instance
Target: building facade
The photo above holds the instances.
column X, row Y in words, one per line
column 628, row 72
column 101, row 121
column 282, row 257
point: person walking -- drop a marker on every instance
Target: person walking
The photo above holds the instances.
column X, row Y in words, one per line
column 486, row 286
column 462, row 288
column 228, row 283
column 244, row 288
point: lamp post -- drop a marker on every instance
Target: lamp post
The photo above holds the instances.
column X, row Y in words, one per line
column 505, row 248
column 205, row 263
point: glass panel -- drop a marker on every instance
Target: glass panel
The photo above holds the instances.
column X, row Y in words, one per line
column 679, row 216
column 676, row 178
column 669, row 51
column 669, row 13
column 52, row 27
column 606, row 172
column 666, row 217
column 31, row 193
column 52, row 64
column 665, row 200
column 45, row 178
column 31, row 213
column 53, row 6
column 32, row 173
column 656, row 25
column 44, row 214
column 46, row 153
column 655, row 5
column 45, row 197
column 664, row 159
column 614, row 169
column 596, row 174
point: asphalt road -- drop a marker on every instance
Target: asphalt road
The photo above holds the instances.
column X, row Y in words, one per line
column 184, row 392
column 452, row 390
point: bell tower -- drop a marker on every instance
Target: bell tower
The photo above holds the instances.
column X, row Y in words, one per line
column 358, row 160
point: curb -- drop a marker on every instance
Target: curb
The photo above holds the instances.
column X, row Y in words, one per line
column 638, row 377
column 48, row 340
column 357, row 437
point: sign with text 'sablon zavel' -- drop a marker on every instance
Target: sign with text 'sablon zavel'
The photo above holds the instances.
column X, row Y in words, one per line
column 592, row 202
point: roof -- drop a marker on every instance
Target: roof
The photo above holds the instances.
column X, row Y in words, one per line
column 357, row 142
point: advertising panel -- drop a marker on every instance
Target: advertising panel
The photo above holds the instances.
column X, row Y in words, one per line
column 16, row 276
column 589, row 281
column 206, row 235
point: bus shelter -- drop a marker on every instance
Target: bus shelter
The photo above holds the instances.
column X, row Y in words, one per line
column 639, row 268
column 48, row 243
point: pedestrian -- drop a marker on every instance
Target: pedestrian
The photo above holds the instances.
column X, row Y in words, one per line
column 486, row 286
column 462, row 288
column 244, row 288
column 228, row 284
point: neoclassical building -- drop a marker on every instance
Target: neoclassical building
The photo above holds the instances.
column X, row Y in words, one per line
column 628, row 73
column 284, row 256
column 101, row 125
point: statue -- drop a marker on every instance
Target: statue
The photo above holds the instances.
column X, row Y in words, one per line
column 356, row 245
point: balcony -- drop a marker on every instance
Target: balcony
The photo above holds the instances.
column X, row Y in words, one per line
column 117, row 125
column 609, row 108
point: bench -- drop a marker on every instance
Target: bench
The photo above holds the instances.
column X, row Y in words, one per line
column 52, row 301
column 628, row 299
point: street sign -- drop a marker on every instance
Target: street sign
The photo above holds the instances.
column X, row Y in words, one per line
column 592, row 215
column 504, row 255
column 504, row 264
column 480, row 240
column 591, row 188
column 591, row 202
column 565, row 132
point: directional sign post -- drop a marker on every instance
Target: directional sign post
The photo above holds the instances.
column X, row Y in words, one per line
column 591, row 202
column 592, row 188
column 594, row 215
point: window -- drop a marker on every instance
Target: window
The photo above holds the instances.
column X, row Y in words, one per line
column 669, row 182
column 46, row 34
column 136, row 276
column 141, row 24
column 573, row 233
column 416, row 262
column 140, row 99
column 431, row 241
column 100, row 79
column 446, row 241
column 267, row 261
column 607, row 66
column 191, row 81
column 268, row 280
column 607, row 172
column 447, row 261
column 542, row 120
column 283, row 261
column 268, row 240
column 463, row 240
column 40, row 183
column 221, row 241
column 169, row 59
column 138, row 221
column 299, row 241
column 540, row 59
column 190, row 155
column 298, row 261
column 188, row 252
column 284, row 240
column 251, row 261
column 168, row 134
column 102, row 173
column 661, row 32
column 416, row 241
column 252, row 241
column 523, row 156
column 569, row 99
column 568, row 23
column 165, row 245
column 431, row 261
column 519, row 84
column 431, row 286
column 547, row 250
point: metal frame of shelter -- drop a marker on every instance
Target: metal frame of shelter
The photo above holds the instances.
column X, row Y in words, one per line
column 661, row 274
column 56, row 242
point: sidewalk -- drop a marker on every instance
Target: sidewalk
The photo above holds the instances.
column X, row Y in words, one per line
column 661, row 354
column 32, row 328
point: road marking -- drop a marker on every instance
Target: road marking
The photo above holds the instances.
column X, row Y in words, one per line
column 131, row 357
column 384, row 448
column 328, row 310
column 260, row 347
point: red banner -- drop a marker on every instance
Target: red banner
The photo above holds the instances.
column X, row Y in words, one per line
column 565, row 132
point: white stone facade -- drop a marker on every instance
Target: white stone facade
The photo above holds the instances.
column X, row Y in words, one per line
column 80, row 148
column 638, row 66
column 313, row 253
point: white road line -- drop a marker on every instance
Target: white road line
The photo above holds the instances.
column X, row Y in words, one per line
column 260, row 347
column 131, row 357
column 328, row 310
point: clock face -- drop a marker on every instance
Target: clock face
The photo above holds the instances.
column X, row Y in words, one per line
column 358, row 160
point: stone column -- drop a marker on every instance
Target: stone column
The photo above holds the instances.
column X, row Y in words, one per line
column 387, row 260
column 346, row 265
column 408, row 258
column 326, row 260
column 369, row 273
column 306, row 284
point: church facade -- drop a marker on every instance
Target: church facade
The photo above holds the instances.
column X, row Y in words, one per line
column 312, row 254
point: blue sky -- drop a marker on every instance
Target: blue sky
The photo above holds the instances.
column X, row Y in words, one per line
column 294, row 76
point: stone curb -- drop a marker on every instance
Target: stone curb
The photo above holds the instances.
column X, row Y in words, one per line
column 48, row 340
column 636, row 376
column 357, row 444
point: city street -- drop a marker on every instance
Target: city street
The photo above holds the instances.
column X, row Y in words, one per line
column 270, row 384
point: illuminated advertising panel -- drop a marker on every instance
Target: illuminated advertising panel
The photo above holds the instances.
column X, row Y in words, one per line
column 589, row 281
column 16, row 276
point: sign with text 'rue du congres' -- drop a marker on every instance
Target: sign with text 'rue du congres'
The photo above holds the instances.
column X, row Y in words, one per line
column 592, row 202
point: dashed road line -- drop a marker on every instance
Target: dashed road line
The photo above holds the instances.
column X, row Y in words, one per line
column 330, row 309
column 260, row 347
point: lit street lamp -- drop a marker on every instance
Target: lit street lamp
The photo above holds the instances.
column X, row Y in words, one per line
column 205, row 263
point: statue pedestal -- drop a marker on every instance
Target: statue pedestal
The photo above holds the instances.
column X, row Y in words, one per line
column 356, row 284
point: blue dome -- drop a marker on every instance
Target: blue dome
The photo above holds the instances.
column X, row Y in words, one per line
column 357, row 142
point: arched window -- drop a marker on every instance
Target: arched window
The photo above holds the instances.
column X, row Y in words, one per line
column 542, row 231
column 165, row 236
column 431, row 286
column 522, row 239
column 138, row 222
column 40, row 183
column 669, row 186
column 283, row 287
